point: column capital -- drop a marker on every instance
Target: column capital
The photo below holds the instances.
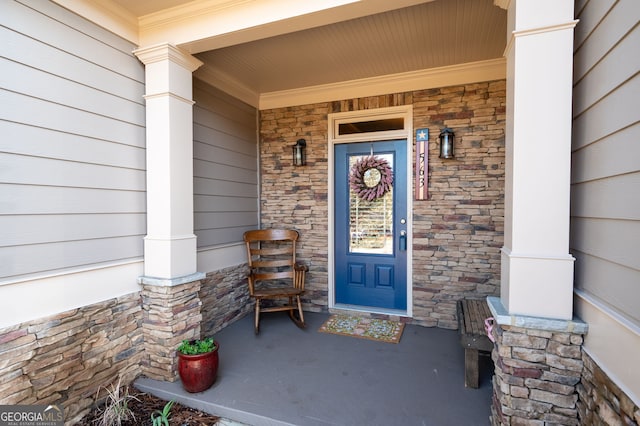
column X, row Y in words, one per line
column 167, row 52
column 533, row 14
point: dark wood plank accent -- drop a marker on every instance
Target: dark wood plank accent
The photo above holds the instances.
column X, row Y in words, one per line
column 473, row 337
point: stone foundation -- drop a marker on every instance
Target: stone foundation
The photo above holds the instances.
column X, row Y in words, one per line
column 170, row 314
column 66, row 358
column 225, row 298
column 538, row 365
column 601, row 401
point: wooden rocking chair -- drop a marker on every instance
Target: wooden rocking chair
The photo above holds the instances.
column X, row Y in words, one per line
column 274, row 272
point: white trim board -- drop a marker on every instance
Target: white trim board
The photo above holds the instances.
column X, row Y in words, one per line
column 41, row 297
column 613, row 344
column 494, row 69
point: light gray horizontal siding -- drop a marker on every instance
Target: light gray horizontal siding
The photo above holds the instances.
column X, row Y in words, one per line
column 40, row 199
column 606, row 66
column 616, row 111
column 225, row 167
column 603, row 159
column 229, row 134
column 21, row 169
column 60, row 63
column 42, row 85
column 28, row 140
column 589, row 18
column 614, row 240
column 214, row 203
column 231, row 115
column 603, row 77
column 72, row 155
column 605, row 190
column 220, row 171
column 602, row 25
column 30, row 111
column 230, row 146
column 37, row 229
column 225, row 189
column 25, row 260
column 221, row 220
column 617, row 285
column 62, row 30
column 616, row 197
column 214, row 237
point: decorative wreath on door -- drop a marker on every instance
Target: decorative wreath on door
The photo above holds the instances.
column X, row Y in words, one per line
column 371, row 177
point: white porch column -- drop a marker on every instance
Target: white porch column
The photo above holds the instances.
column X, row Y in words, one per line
column 537, row 269
column 170, row 244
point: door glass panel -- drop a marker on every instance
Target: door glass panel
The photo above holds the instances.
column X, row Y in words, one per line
column 371, row 207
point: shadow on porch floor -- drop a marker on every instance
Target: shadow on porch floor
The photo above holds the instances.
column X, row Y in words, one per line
column 289, row 376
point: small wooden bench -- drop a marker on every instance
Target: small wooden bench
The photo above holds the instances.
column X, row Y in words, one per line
column 473, row 337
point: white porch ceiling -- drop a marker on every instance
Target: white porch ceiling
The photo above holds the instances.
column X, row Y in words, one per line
column 429, row 35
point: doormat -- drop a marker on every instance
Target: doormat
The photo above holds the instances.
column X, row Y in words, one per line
column 365, row 328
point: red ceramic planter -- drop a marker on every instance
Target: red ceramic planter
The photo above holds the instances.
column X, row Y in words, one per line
column 198, row 372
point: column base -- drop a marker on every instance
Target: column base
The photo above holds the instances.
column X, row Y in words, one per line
column 171, row 314
column 503, row 317
column 169, row 258
column 538, row 365
column 539, row 286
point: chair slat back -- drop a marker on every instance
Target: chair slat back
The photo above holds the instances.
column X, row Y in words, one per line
column 271, row 254
column 271, row 235
column 276, row 263
column 272, row 275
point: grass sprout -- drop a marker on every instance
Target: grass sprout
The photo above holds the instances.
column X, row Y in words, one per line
column 161, row 418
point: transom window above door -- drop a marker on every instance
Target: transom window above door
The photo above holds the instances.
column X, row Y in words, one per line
column 363, row 125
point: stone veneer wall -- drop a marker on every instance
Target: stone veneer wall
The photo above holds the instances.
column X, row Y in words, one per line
column 65, row 358
column 457, row 233
column 536, row 373
column 189, row 311
column 171, row 314
column 601, row 402
column 225, row 298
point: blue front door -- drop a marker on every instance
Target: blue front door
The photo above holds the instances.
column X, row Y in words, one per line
column 370, row 224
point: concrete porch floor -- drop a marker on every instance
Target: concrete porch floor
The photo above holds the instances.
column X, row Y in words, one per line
column 289, row 376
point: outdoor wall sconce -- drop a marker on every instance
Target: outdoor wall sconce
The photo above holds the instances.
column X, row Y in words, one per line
column 300, row 153
column 447, row 137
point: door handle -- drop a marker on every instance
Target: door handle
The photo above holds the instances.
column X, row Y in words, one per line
column 403, row 240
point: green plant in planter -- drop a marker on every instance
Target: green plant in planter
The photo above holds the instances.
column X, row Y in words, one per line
column 198, row 364
column 196, row 347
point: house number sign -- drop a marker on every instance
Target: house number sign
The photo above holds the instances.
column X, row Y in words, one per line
column 422, row 164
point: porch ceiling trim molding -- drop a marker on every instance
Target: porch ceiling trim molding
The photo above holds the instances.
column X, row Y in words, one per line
column 228, row 84
column 494, row 69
